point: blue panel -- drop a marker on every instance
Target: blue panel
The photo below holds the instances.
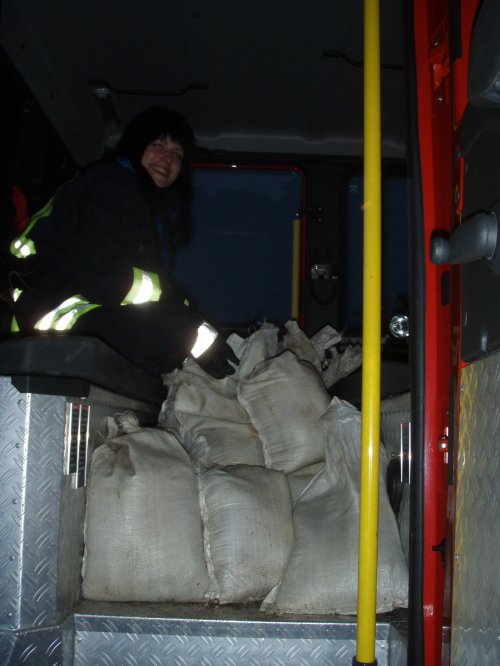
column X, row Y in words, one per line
column 395, row 268
column 238, row 266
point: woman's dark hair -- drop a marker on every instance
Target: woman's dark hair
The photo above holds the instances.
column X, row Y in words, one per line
column 152, row 124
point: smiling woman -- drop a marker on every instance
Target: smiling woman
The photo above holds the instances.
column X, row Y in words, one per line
column 159, row 142
column 107, row 240
column 162, row 159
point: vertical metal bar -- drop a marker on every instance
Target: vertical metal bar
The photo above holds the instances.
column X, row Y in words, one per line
column 370, row 422
column 296, row 268
column 84, row 460
column 68, row 437
column 77, row 448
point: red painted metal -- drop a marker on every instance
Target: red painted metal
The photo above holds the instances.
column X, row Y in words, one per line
column 436, row 142
column 468, row 11
column 442, row 97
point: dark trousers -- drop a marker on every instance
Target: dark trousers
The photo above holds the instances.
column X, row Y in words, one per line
column 157, row 337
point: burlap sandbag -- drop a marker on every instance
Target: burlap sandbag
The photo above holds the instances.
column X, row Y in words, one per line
column 248, row 530
column 285, row 398
column 321, row 576
column 143, row 530
column 214, row 427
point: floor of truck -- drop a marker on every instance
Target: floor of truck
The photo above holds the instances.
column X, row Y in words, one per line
column 233, row 634
column 158, row 634
column 231, row 613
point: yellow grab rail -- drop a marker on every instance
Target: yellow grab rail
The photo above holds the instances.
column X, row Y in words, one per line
column 296, row 269
column 370, row 396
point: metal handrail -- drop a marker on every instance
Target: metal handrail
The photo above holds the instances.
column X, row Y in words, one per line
column 370, row 416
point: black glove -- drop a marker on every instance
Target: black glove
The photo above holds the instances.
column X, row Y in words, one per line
column 216, row 359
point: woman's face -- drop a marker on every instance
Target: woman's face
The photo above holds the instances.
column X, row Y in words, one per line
column 162, row 159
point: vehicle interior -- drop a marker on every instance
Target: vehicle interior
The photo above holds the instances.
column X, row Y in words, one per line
column 274, row 92
column 280, row 88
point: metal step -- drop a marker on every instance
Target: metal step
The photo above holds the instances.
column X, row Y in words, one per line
column 196, row 635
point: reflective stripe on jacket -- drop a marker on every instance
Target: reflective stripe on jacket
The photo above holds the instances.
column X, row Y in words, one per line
column 22, row 246
column 145, row 289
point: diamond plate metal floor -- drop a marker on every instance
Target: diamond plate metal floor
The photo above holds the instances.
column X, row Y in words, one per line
column 185, row 635
column 136, row 635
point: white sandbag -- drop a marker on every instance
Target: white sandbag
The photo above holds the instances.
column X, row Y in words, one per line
column 167, row 417
column 214, row 427
column 143, row 530
column 297, row 341
column 120, row 424
column 301, row 478
column 325, row 339
column 342, row 364
column 248, row 532
column 266, row 342
column 233, row 445
column 321, row 576
column 261, row 345
column 320, row 351
column 285, row 399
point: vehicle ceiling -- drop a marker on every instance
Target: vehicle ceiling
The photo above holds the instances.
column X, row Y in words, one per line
column 282, row 76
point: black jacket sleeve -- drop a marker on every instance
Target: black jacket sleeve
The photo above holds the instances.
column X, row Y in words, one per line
column 110, row 233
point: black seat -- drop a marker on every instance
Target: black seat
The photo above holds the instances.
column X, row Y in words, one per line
column 69, row 365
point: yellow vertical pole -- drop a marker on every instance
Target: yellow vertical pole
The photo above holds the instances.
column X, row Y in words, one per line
column 296, row 269
column 370, row 396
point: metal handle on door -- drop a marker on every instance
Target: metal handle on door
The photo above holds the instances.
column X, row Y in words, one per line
column 476, row 238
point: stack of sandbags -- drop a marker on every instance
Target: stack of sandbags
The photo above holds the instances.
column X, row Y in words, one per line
column 249, row 490
column 267, row 413
column 321, row 576
column 156, row 529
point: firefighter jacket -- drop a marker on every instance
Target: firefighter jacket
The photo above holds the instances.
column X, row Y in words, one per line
column 97, row 242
